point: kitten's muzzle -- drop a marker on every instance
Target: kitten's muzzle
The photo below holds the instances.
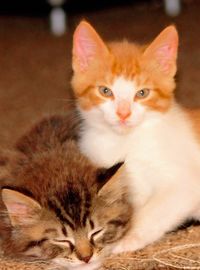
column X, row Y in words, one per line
column 83, row 250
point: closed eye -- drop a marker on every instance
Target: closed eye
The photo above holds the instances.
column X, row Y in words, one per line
column 64, row 242
column 95, row 234
column 33, row 244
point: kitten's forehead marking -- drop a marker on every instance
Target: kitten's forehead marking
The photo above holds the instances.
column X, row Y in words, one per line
column 123, row 88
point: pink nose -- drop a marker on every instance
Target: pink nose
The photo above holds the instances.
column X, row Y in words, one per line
column 123, row 110
column 86, row 259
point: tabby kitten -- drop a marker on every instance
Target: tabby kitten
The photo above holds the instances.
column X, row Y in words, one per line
column 125, row 93
column 57, row 205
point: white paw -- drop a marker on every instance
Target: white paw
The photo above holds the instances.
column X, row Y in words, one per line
column 128, row 244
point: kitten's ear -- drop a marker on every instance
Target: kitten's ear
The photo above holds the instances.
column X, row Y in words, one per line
column 22, row 209
column 104, row 175
column 88, row 47
column 161, row 54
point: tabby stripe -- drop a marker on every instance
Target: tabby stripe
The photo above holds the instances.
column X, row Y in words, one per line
column 62, row 208
column 64, row 231
column 87, row 205
column 91, row 224
column 85, row 216
column 59, row 214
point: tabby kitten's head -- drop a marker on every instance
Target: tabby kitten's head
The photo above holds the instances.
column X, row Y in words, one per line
column 121, row 84
column 63, row 209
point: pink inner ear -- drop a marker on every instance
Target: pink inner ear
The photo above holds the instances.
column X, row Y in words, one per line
column 163, row 51
column 84, row 47
column 166, row 56
column 18, row 209
column 166, row 51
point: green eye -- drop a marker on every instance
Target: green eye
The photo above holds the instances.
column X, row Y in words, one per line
column 105, row 91
column 143, row 93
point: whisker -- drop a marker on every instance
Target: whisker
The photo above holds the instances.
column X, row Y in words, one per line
column 130, row 259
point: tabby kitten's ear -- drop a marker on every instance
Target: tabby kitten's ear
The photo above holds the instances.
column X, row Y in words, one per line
column 161, row 54
column 104, row 175
column 22, row 209
column 88, row 47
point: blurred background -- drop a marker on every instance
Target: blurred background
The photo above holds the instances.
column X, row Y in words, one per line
column 36, row 42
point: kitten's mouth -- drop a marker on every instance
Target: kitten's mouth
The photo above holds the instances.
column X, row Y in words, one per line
column 124, row 125
column 122, row 129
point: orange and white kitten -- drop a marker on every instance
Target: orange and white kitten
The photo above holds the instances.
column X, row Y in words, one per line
column 125, row 95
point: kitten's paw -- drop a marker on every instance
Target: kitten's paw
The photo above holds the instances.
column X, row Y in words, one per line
column 128, row 244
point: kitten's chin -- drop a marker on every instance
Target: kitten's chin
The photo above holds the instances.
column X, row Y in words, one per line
column 66, row 265
column 122, row 128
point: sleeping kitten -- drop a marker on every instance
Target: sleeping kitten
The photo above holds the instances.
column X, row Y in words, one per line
column 58, row 206
column 125, row 93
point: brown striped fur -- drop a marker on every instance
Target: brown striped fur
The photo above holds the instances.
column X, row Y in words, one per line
column 66, row 196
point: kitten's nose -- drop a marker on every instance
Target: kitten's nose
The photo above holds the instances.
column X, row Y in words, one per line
column 123, row 115
column 84, row 249
column 123, row 109
column 86, row 259
column 85, row 255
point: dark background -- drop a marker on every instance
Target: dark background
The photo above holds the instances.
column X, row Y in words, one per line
column 42, row 7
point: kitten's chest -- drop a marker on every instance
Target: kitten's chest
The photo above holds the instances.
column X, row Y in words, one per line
column 162, row 158
column 103, row 148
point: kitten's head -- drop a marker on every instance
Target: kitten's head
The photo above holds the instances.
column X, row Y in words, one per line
column 120, row 83
column 71, row 214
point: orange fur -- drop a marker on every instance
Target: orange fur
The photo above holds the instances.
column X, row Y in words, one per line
column 133, row 62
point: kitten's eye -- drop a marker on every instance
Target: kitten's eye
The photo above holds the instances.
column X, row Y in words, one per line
column 143, row 93
column 94, row 234
column 105, row 91
column 64, row 242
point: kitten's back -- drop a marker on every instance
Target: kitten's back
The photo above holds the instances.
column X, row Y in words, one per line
column 50, row 131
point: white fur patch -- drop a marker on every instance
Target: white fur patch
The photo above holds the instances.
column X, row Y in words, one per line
column 102, row 125
column 162, row 158
column 123, row 89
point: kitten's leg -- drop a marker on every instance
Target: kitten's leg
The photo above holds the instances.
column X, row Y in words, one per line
column 161, row 214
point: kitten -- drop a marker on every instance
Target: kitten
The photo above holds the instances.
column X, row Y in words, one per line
column 125, row 93
column 56, row 205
